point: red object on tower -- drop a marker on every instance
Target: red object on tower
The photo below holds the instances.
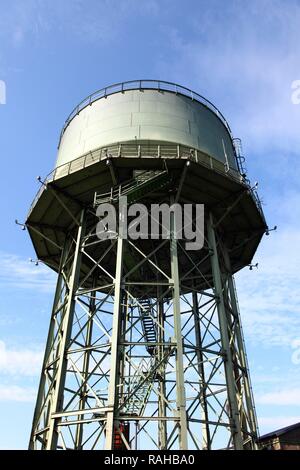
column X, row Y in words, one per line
column 118, row 442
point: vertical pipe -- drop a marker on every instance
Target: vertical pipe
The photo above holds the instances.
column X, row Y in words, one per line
column 180, row 390
column 122, row 333
column 114, row 357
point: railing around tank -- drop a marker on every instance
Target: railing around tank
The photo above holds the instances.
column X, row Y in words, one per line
column 144, row 151
column 159, row 85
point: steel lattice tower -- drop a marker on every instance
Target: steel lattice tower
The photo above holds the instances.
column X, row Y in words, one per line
column 145, row 348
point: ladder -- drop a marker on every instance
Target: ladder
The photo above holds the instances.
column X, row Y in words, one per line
column 144, row 183
column 139, row 390
column 148, row 324
column 239, row 155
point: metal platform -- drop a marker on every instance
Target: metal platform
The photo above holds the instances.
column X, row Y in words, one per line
column 232, row 201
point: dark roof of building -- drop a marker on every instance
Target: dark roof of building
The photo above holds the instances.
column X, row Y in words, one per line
column 279, row 432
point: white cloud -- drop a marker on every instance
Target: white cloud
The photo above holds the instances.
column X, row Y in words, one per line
column 22, row 362
column 19, row 272
column 16, row 393
column 269, row 297
column 284, row 397
column 271, row 423
column 267, row 379
column 245, row 58
column 99, row 21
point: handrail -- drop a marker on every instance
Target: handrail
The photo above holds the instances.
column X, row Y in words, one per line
column 119, row 150
column 145, row 84
column 159, row 151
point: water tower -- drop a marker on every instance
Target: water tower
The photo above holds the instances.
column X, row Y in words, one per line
column 145, row 348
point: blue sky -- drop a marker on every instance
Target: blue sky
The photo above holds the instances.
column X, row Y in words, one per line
column 241, row 55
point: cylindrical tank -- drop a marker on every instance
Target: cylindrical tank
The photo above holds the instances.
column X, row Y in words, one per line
column 160, row 115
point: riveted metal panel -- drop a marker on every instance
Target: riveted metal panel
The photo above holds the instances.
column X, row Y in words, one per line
column 139, row 115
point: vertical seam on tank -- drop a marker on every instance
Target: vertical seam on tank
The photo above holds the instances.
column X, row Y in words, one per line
column 189, row 126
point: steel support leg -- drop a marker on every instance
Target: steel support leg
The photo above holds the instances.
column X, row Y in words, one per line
column 114, row 357
column 180, row 389
column 57, row 397
column 39, row 411
column 162, row 425
column 237, row 437
column 247, row 389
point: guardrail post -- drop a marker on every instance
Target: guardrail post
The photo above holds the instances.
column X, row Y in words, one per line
column 84, row 161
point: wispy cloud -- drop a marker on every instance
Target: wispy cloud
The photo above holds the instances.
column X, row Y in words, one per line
column 270, row 296
column 18, row 272
column 15, row 393
column 22, row 362
column 244, row 56
column 101, row 20
column 270, row 423
column 284, row 397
